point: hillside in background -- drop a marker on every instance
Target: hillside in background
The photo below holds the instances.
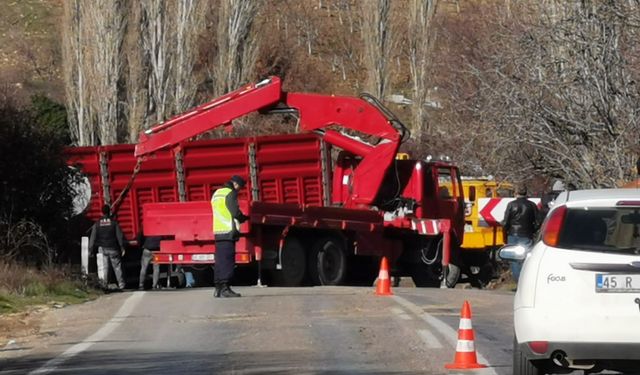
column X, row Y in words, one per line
column 514, row 89
column 30, row 49
column 309, row 44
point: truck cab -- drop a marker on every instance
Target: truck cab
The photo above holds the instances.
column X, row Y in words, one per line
column 478, row 235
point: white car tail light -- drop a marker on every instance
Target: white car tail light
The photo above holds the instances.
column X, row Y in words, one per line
column 553, row 225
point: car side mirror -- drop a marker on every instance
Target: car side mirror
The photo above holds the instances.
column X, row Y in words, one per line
column 513, row 253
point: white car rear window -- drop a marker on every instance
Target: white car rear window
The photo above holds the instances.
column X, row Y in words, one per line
column 615, row 229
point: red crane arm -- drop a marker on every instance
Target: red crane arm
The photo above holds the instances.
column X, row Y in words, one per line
column 316, row 113
column 218, row 112
column 321, row 111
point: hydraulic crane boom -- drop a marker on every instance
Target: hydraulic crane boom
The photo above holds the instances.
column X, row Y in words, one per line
column 316, row 113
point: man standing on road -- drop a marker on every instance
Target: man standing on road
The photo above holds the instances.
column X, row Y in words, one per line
column 226, row 219
column 107, row 237
column 149, row 245
column 520, row 224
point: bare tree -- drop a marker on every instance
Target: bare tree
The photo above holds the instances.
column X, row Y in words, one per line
column 162, row 52
column 160, row 48
column 104, row 28
column 189, row 21
column 74, row 68
column 237, row 44
column 137, row 74
column 560, row 94
column 378, row 40
column 347, row 55
column 421, row 40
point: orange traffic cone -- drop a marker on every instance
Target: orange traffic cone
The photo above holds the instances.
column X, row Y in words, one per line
column 465, row 351
column 383, row 287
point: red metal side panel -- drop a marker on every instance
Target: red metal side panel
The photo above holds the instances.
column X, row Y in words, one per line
column 156, row 182
column 290, row 170
column 209, row 164
column 187, row 221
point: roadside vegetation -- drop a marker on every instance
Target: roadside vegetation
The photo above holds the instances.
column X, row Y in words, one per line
column 22, row 286
column 35, row 208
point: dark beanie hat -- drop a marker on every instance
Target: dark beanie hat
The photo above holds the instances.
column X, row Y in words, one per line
column 238, row 180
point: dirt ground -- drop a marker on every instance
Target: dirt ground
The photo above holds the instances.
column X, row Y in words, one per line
column 21, row 327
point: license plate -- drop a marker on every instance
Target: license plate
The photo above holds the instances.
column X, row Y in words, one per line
column 202, row 257
column 617, row 283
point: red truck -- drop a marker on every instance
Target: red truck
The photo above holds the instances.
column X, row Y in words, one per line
column 314, row 219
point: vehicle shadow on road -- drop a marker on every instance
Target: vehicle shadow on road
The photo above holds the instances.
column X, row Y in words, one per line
column 176, row 362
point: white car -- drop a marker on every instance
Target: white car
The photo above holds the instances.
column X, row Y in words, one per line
column 577, row 305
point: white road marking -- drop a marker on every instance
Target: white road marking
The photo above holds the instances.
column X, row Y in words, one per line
column 450, row 334
column 400, row 313
column 104, row 331
column 429, row 339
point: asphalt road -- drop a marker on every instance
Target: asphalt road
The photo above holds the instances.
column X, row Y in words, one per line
column 320, row 330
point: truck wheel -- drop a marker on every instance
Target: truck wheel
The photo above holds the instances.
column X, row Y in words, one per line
column 430, row 276
column 293, row 264
column 480, row 269
column 426, row 276
column 331, row 261
column 451, row 275
column 181, row 280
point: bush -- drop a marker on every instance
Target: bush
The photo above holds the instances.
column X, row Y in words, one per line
column 21, row 286
column 35, row 183
column 35, row 288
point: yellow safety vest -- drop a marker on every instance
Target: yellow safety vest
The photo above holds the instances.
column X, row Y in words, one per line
column 222, row 220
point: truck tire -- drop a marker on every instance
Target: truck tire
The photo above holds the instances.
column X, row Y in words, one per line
column 430, row 276
column 451, row 275
column 331, row 261
column 485, row 267
column 293, row 264
column 181, row 279
column 312, row 267
column 426, row 276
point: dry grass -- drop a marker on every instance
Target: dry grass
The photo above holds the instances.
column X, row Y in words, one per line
column 22, row 286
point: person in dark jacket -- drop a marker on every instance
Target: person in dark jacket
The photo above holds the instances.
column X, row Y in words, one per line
column 107, row 238
column 226, row 219
column 520, row 224
column 149, row 246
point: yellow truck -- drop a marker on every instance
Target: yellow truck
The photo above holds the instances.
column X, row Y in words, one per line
column 484, row 208
column 480, row 233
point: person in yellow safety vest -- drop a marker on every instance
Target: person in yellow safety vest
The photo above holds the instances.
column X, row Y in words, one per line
column 226, row 222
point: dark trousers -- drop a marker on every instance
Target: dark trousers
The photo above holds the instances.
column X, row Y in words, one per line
column 114, row 258
column 147, row 256
column 225, row 261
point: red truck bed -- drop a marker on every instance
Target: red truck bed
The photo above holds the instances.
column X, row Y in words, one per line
column 289, row 170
